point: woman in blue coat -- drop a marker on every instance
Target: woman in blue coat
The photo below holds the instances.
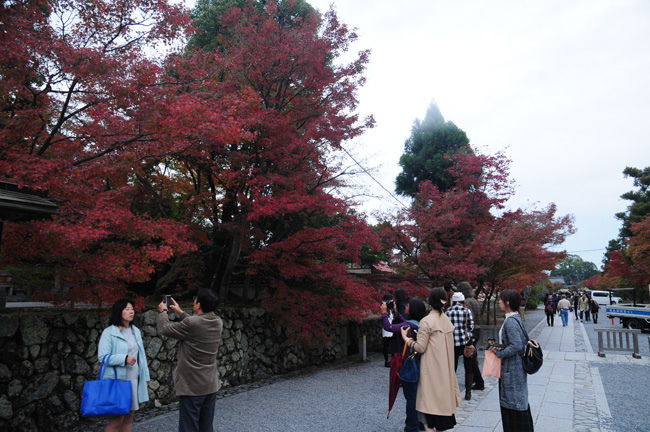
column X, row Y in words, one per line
column 123, row 341
column 513, row 384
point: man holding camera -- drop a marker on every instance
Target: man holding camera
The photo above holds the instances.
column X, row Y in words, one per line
column 196, row 376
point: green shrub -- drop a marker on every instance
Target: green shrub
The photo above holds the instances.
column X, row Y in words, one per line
column 531, row 304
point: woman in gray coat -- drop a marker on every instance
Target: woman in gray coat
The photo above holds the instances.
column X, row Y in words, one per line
column 513, row 385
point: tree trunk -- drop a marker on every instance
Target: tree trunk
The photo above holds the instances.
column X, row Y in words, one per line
column 233, row 258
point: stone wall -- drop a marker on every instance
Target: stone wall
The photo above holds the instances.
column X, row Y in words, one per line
column 46, row 356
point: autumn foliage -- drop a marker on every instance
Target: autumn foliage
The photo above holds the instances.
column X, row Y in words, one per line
column 466, row 232
column 178, row 168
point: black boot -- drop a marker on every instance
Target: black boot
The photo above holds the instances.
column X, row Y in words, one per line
column 468, row 386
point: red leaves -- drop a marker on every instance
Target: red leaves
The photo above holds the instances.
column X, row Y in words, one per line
column 154, row 156
column 459, row 234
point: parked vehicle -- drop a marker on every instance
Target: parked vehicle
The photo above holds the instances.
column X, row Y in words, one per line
column 632, row 317
column 603, row 297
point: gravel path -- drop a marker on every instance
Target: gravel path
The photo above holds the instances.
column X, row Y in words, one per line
column 626, row 386
column 346, row 397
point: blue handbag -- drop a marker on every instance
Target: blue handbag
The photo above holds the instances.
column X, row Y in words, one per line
column 106, row 397
column 411, row 367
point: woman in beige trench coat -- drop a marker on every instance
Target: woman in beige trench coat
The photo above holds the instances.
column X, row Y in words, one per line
column 438, row 392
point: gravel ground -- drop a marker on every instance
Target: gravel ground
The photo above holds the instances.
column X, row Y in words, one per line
column 352, row 397
column 346, row 397
column 626, row 386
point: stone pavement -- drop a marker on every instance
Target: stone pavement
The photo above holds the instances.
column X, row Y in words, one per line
column 566, row 394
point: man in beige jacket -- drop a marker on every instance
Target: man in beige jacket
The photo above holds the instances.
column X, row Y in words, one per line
column 196, row 376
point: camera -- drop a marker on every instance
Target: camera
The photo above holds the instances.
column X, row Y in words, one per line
column 168, row 300
column 390, row 305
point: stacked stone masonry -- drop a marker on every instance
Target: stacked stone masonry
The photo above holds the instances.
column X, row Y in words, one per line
column 48, row 355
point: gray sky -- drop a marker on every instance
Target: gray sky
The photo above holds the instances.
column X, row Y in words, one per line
column 563, row 87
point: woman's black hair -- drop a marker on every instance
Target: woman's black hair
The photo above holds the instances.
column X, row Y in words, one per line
column 208, row 299
column 466, row 289
column 512, row 299
column 436, row 298
column 116, row 311
column 387, row 297
column 417, row 309
column 401, row 296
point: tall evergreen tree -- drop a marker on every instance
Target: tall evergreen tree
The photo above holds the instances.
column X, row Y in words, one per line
column 427, row 151
column 640, row 207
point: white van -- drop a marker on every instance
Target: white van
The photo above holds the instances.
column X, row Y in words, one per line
column 602, row 297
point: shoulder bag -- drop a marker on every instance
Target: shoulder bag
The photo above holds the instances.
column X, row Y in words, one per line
column 411, row 368
column 106, row 397
column 532, row 358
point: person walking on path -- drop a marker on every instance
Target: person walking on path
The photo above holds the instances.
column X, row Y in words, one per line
column 463, row 322
column 196, row 376
column 416, row 310
column 123, row 341
column 556, row 299
column 513, row 384
column 595, row 307
column 475, row 307
column 576, row 302
column 550, row 311
column 438, row 394
column 583, row 305
column 564, row 306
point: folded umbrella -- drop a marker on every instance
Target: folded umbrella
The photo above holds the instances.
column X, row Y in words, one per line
column 394, row 378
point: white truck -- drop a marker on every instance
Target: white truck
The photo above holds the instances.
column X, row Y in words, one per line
column 632, row 316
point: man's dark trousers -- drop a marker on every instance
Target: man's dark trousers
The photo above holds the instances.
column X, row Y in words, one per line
column 196, row 413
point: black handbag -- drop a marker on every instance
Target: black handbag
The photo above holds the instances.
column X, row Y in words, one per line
column 532, row 357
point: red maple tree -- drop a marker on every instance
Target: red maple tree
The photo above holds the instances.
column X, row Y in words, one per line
column 465, row 233
column 77, row 84
column 195, row 168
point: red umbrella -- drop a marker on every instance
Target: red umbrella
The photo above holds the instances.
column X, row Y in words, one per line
column 394, row 379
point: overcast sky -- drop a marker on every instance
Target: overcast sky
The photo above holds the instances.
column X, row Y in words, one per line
column 563, row 87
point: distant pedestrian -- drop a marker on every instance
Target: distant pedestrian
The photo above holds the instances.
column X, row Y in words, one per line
column 123, row 341
column 438, row 394
column 564, row 306
column 416, row 310
column 513, row 384
column 576, row 302
column 550, row 310
column 522, row 310
column 475, row 307
column 196, row 376
column 583, row 305
column 387, row 335
column 595, row 307
column 556, row 299
column 463, row 322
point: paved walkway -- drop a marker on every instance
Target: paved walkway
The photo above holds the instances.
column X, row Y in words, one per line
column 567, row 394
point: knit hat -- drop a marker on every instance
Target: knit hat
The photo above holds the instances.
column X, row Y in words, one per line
column 458, row 297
